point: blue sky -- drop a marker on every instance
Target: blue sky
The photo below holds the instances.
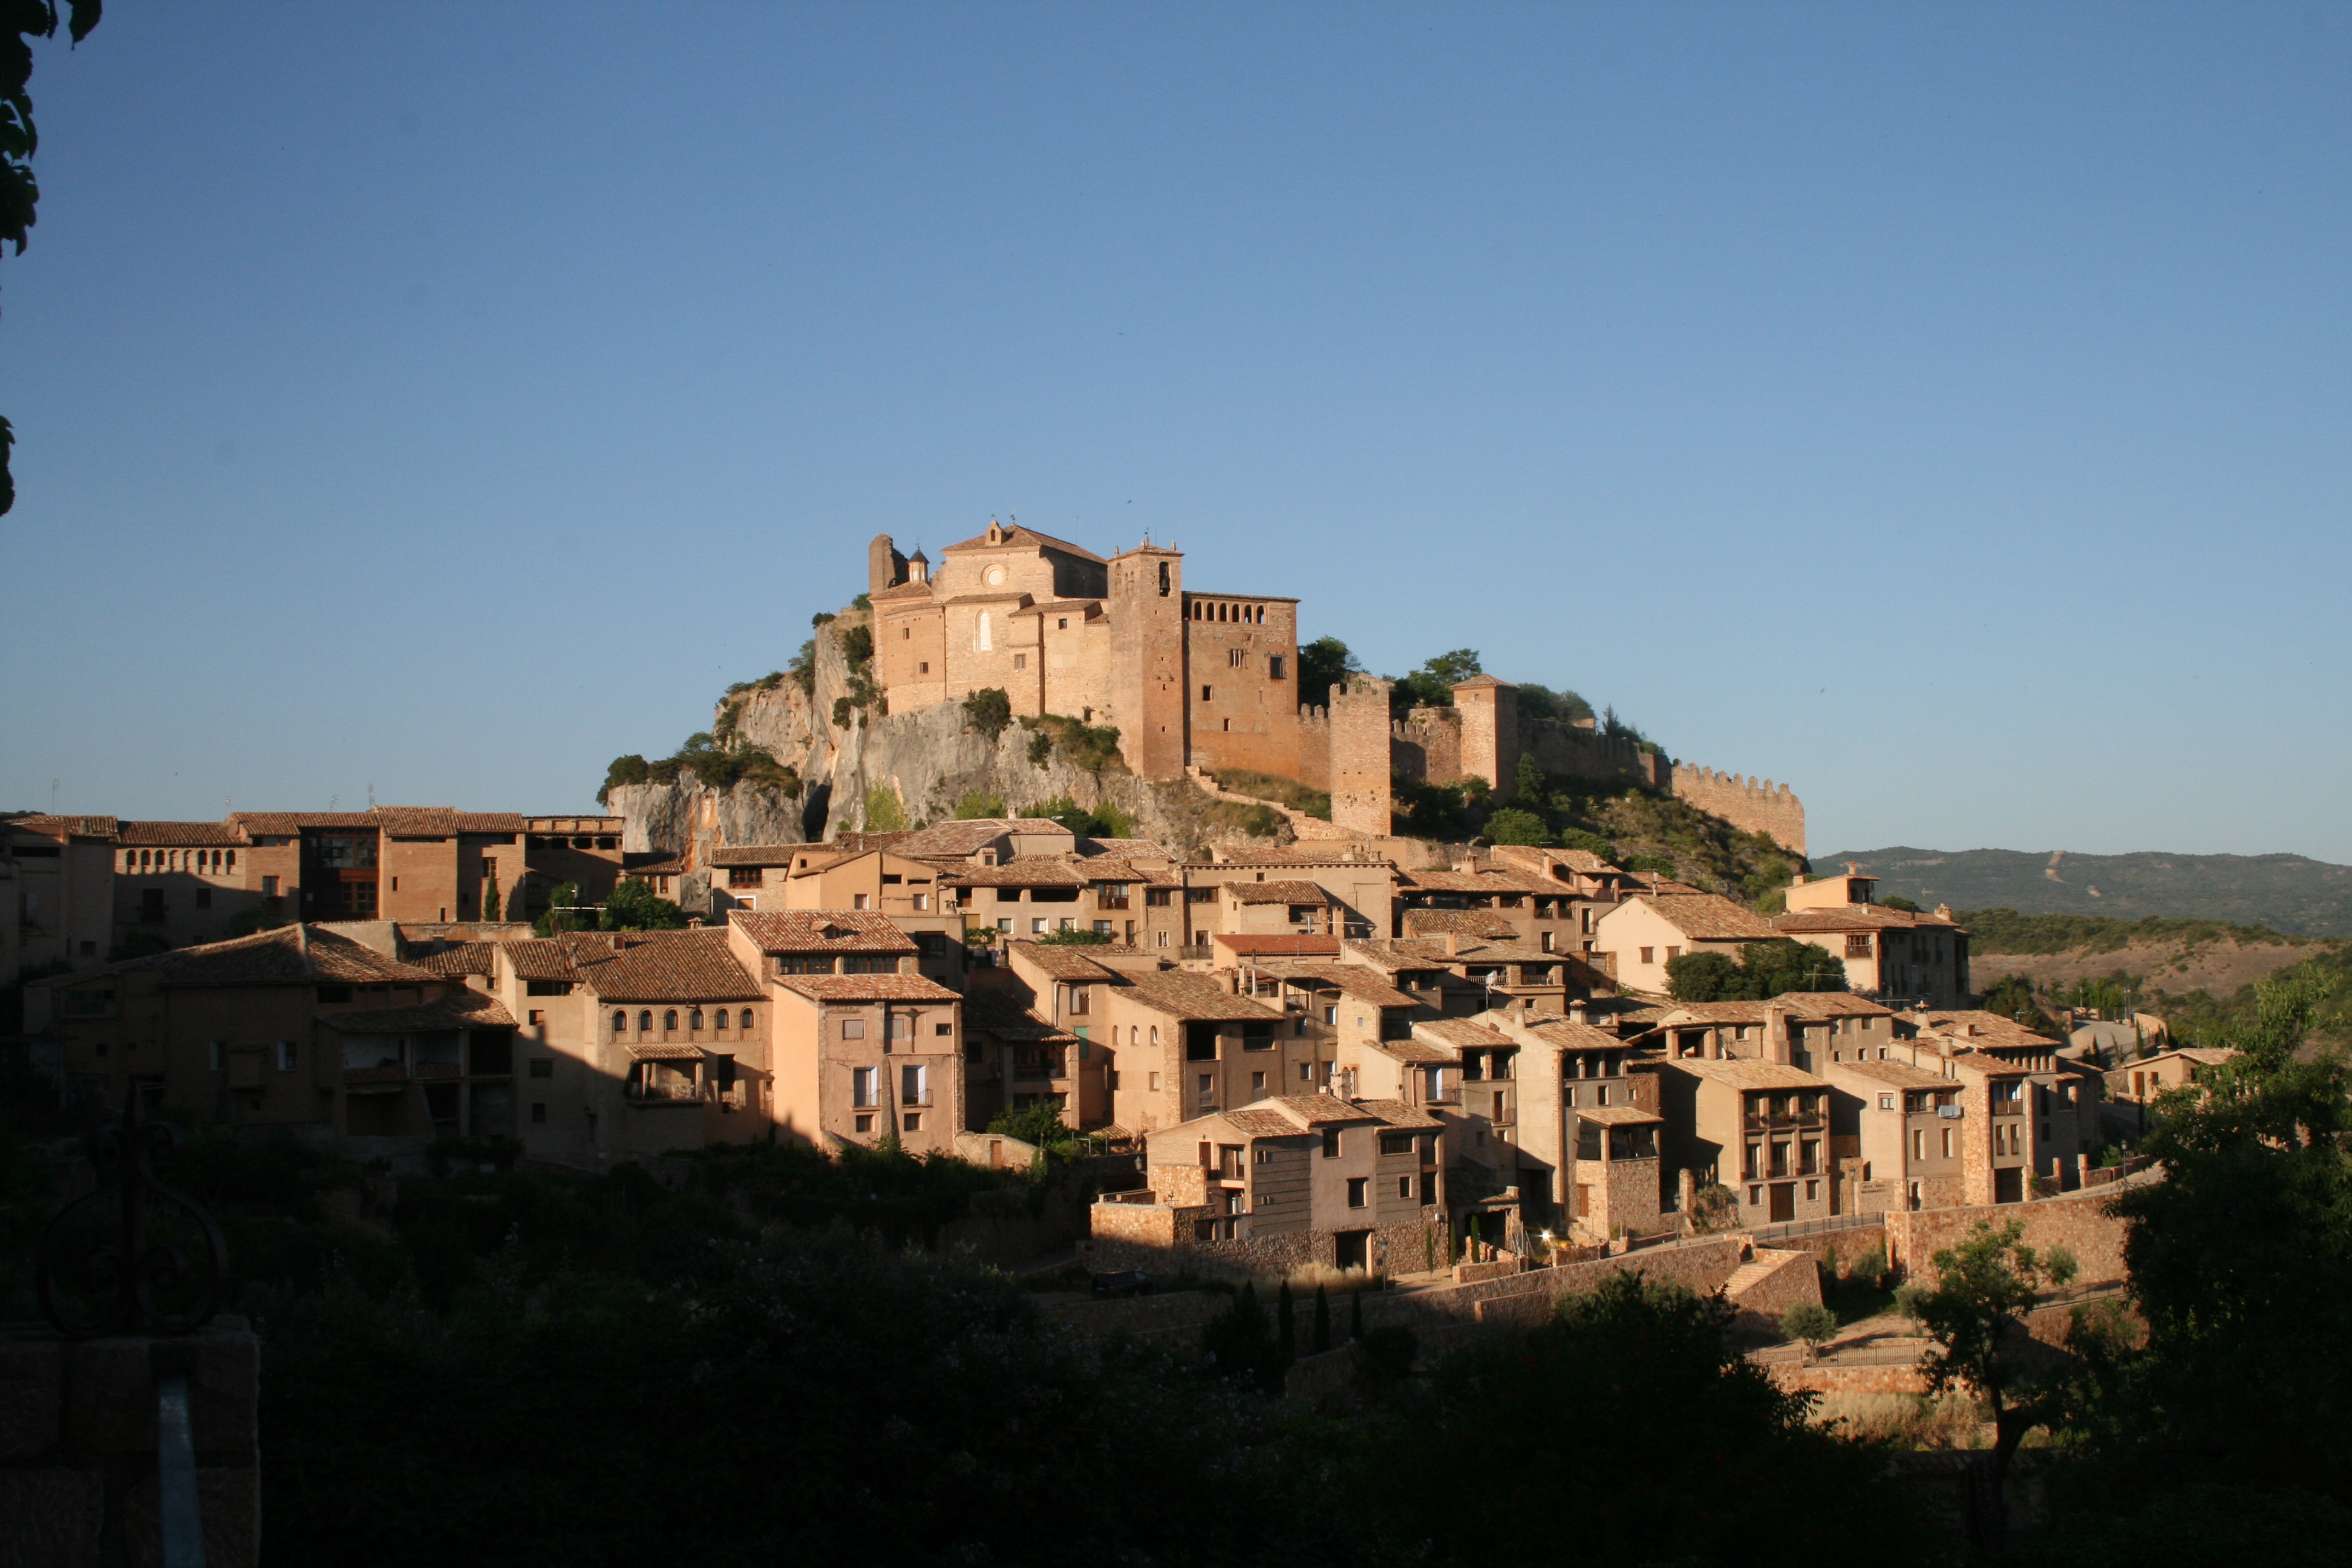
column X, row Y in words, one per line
column 1941, row 408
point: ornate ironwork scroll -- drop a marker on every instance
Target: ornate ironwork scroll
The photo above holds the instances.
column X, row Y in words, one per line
column 136, row 1280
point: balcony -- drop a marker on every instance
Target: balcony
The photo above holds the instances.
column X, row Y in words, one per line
column 1810, row 1121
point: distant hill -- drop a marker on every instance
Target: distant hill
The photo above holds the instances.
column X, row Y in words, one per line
column 2288, row 893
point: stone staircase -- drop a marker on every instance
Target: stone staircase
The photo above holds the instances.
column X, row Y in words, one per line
column 1301, row 824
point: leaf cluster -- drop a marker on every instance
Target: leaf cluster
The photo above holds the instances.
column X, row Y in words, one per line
column 1764, row 969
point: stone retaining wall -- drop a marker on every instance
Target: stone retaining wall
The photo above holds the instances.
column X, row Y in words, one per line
column 2077, row 1221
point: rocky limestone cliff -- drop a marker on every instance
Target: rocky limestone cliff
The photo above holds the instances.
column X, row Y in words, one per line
column 927, row 759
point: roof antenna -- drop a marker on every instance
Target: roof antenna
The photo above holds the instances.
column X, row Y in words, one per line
column 370, row 798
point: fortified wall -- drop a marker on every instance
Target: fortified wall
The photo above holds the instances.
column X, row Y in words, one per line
column 1763, row 809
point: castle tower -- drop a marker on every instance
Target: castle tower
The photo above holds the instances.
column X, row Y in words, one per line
column 1490, row 733
column 1146, row 659
column 1361, row 799
column 884, row 568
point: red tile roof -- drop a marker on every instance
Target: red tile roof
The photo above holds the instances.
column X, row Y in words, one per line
column 668, row 966
column 1246, row 946
column 1706, row 916
column 868, row 987
column 821, row 931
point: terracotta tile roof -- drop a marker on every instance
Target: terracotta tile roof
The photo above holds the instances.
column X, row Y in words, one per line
column 666, row 966
column 1977, row 1027
column 289, row 956
column 458, row 1010
column 1616, row 1115
column 958, row 838
column 1088, row 607
column 758, row 854
column 1065, row 961
column 1242, row 944
column 67, row 827
column 653, row 863
column 1397, row 1113
column 1351, row 979
column 1490, row 882
column 550, row 958
column 1318, row 1109
column 1024, row 871
column 868, row 987
column 1317, row 852
column 1131, row 849
column 1196, row 997
column 1836, row 1004
column 181, row 834
column 2206, row 1056
column 1537, row 858
column 1463, row 922
column 821, row 931
column 1250, row 1122
column 1903, row 1075
column 1713, row 1012
column 1415, row 1052
column 466, row 958
column 669, row 1052
column 1278, row 893
column 1569, row 1035
column 1425, row 952
column 1663, row 886
column 1461, row 1034
column 1860, row 917
column 1708, row 917
column 1746, row 1072
column 401, row 821
column 990, row 1013
column 1016, row 537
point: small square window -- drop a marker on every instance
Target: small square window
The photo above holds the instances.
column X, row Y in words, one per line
column 1359, row 1192
column 543, row 1067
column 539, row 1111
column 1020, row 661
column 923, row 668
column 865, row 1123
column 913, row 1121
column 538, row 1016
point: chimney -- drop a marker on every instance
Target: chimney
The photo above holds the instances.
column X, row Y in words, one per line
column 1233, row 978
column 1576, row 1010
column 1798, row 880
column 1715, row 1045
column 1452, row 943
column 1776, row 1033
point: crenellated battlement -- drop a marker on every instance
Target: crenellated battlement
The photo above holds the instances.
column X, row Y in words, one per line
column 1767, row 807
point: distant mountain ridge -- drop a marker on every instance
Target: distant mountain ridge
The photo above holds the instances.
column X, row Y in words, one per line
column 2291, row 893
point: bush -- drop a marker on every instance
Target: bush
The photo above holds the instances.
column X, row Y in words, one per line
column 634, row 906
column 885, row 812
column 1871, row 1267
column 1810, row 1321
column 1072, row 936
column 1257, row 821
column 1282, row 791
column 988, row 710
column 974, row 806
column 1512, row 826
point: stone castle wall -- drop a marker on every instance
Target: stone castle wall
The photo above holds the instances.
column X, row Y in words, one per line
column 1766, row 808
column 1361, row 798
column 1315, row 747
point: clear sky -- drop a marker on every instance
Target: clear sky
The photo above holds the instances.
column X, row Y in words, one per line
column 1943, row 409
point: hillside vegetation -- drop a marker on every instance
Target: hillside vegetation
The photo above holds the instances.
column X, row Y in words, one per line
column 2005, row 931
column 2288, row 893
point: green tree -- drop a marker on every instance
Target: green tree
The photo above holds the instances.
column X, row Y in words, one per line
column 491, row 899
column 2012, row 996
column 975, row 804
column 1897, row 902
column 1072, row 936
column 1782, row 965
column 885, row 813
column 1513, row 825
column 1810, row 1323
column 1705, row 977
column 559, row 916
column 1039, row 1122
column 1432, row 686
column 20, row 194
column 988, row 710
column 2240, row 1261
column 1322, row 665
column 634, row 906
column 1542, row 702
column 1975, row 1313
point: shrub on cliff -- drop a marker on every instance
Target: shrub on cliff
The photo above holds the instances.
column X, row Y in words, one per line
column 988, row 710
column 1512, row 826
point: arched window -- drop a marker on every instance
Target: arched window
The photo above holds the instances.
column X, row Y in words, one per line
column 669, row 1019
column 620, row 1022
column 722, row 1020
column 646, row 1022
column 746, row 1017
column 694, row 1019
column 1155, row 1034
column 983, row 640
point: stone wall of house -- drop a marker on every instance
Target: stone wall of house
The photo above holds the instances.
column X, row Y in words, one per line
column 78, row 1445
column 1766, row 808
column 2078, row 1221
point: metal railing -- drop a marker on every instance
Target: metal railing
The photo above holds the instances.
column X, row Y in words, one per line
column 1795, row 1228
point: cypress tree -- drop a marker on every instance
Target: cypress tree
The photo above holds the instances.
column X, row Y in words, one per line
column 1356, row 1316
column 1322, row 1320
column 491, row 899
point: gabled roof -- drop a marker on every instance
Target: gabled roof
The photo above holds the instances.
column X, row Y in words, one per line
column 466, row 958
column 1746, row 1072
column 1483, row 923
column 1013, row 536
column 821, row 931
column 1901, row 1075
column 1489, row 882
column 1427, row 952
column 1030, row 871
column 458, row 1010
column 67, row 827
column 959, row 838
column 1353, row 980
column 289, row 956
column 1616, row 1115
column 1570, row 1035
column 1706, row 916
column 1860, row 917
column 1414, row 1053
column 1194, row 997
column 1975, row 1026
column 1316, row 1109
column 1066, row 961
column 666, row 966
column 758, row 854
column 1319, row 852
column 868, row 987
column 991, row 1013
column 180, row 834
column 1463, row 1035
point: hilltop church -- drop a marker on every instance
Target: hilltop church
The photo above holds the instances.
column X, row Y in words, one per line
column 1210, row 680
